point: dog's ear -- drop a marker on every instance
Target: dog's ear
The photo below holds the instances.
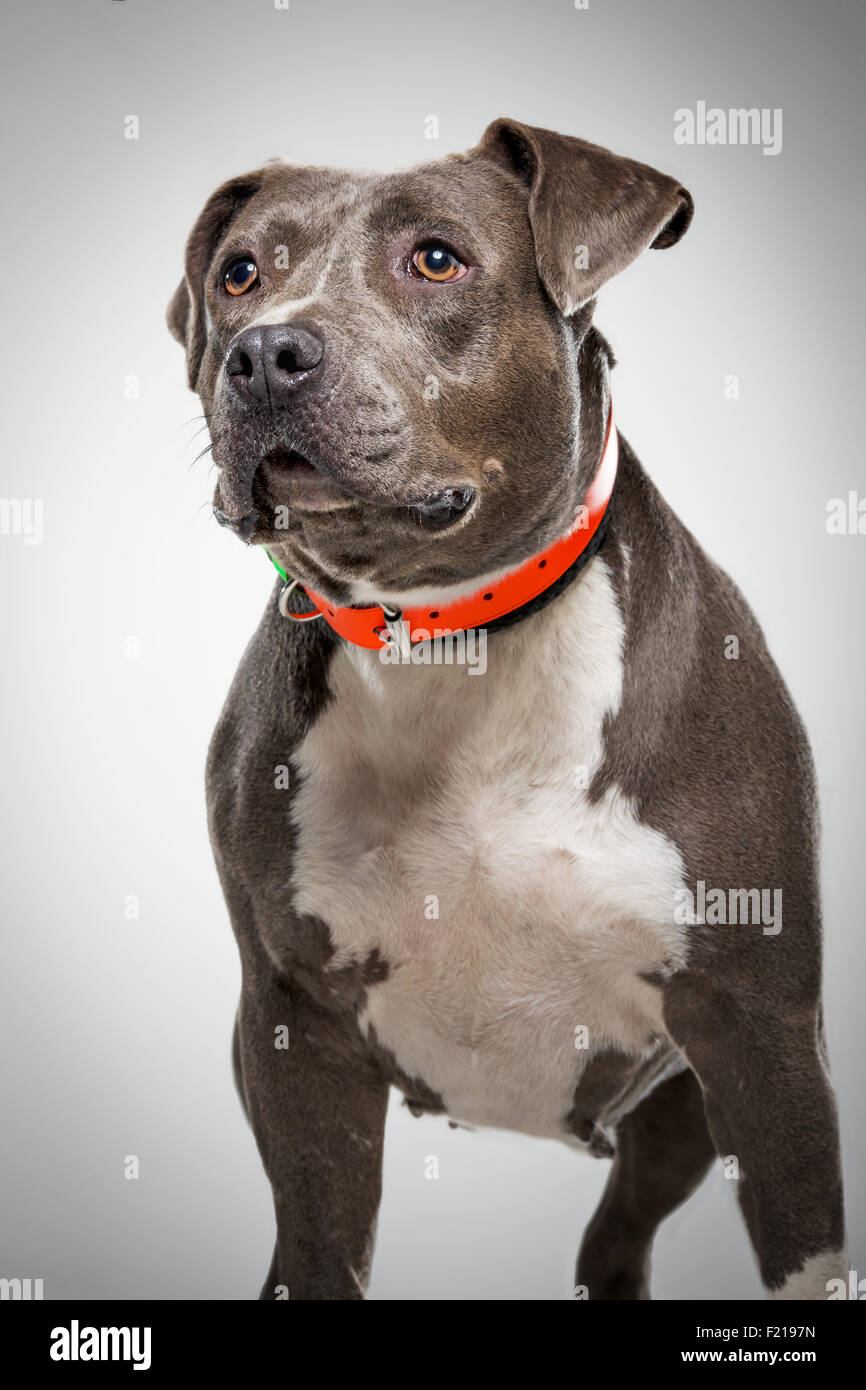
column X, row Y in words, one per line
column 185, row 313
column 591, row 212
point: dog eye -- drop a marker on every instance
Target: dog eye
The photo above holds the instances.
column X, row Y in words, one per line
column 241, row 276
column 435, row 262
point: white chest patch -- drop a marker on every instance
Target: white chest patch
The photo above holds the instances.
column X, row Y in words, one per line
column 444, row 819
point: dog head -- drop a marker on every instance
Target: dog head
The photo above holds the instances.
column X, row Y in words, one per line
column 390, row 365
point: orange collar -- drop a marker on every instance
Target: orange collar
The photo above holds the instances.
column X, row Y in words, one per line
column 378, row 627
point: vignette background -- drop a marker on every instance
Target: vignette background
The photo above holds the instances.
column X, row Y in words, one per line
column 116, row 1029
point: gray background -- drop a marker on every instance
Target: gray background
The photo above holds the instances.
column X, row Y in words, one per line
column 116, row 1033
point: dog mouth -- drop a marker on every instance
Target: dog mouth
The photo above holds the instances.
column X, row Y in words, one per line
column 287, row 481
column 287, row 478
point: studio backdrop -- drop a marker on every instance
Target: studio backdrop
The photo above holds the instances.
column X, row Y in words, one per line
column 129, row 1170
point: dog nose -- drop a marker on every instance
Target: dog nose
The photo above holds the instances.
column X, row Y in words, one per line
column 268, row 363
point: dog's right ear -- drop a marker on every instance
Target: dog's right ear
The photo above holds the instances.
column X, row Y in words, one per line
column 185, row 313
column 591, row 212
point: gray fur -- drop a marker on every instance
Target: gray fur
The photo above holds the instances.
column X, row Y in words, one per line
column 709, row 753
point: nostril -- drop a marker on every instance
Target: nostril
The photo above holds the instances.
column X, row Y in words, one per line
column 292, row 350
column 239, row 365
column 287, row 361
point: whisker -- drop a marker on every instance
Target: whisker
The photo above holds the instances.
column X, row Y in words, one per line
column 194, row 419
column 197, row 433
column 206, row 450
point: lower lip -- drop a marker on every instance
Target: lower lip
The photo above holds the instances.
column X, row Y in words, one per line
column 287, row 479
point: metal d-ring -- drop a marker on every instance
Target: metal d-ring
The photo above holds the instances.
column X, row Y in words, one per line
column 399, row 635
column 283, row 605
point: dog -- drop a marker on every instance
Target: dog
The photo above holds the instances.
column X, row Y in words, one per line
column 527, row 891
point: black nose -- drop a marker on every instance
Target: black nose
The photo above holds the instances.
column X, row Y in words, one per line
column 267, row 364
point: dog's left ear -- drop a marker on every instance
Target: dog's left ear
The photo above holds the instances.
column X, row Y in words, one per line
column 591, row 212
column 185, row 313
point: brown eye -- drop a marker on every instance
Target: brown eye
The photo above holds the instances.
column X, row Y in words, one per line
column 241, row 276
column 436, row 262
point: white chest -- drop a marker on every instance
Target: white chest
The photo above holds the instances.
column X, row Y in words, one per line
column 444, row 819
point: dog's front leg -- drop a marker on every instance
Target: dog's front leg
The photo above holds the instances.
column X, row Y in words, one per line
column 772, row 1115
column 317, row 1106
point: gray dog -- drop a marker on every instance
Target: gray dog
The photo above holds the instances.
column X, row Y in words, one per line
column 508, row 793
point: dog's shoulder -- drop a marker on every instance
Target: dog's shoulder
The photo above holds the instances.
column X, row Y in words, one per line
column 707, row 741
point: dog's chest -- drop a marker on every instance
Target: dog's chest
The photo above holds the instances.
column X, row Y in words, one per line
column 444, row 821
